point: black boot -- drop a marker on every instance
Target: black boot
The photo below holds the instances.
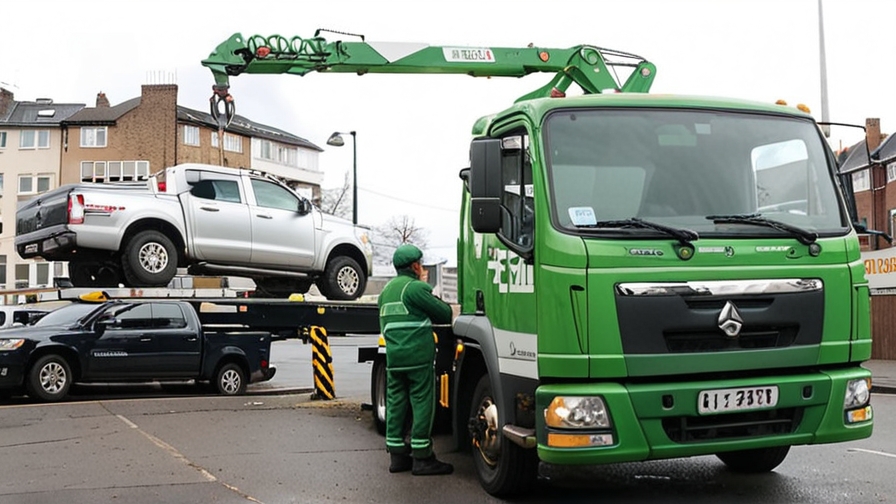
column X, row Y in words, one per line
column 430, row 466
column 400, row 463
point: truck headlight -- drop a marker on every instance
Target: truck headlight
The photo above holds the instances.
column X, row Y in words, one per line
column 577, row 413
column 11, row 344
column 858, row 393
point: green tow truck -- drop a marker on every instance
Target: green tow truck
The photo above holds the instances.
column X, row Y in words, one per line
column 640, row 276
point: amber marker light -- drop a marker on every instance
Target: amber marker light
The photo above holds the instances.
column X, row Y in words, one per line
column 263, row 51
column 544, row 56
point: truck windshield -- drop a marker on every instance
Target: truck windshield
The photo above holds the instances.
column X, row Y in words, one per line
column 699, row 170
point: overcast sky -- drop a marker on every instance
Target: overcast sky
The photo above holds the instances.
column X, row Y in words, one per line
column 413, row 131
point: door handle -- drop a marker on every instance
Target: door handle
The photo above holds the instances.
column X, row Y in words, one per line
column 145, row 339
column 210, row 208
column 264, row 216
column 190, row 338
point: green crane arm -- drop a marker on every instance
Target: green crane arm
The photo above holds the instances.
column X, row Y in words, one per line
column 587, row 66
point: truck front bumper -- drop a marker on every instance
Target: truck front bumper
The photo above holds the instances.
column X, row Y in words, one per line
column 661, row 420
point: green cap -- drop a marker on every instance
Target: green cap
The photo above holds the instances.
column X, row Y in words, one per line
column 405, row 255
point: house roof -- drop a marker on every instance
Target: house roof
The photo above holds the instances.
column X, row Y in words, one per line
column 104, row 115
column 246, row 127
column 856, row 158
column 40, row 112
column 887, row 149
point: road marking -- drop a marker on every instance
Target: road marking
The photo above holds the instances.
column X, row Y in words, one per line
column 873, row 452
column 177, row 455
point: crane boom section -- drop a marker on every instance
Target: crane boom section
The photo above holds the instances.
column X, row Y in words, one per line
column 587, row 66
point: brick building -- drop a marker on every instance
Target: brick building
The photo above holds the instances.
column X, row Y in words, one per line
column 45, row 145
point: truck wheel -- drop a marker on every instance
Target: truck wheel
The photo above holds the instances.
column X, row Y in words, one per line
column 378, row 394
column 759, row 460
column 503, row 467
column 342, row 279
column 94, row 274
column 49, row 378
column 231, row 380
column 149, row 260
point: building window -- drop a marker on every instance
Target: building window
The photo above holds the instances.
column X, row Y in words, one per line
column 277, row 153
column 891, row 172
column 34, row 139
column 93, row 137
column 3, row 270
column 34, row 184
column 860, row 181
column 1, row 184
column 43, row 274
column 2, row 139
column 191, row 135
column 114, row 171
column 22, row 275
column 232, row 143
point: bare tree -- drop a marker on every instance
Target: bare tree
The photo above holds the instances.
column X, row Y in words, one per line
column 396, row 231
column 338, row 201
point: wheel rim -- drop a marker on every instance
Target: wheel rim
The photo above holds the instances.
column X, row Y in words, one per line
column 230, row 381
column 488, row 442
column 52, row 377
column 153, row 257
column 347, row 279
column 381, row 394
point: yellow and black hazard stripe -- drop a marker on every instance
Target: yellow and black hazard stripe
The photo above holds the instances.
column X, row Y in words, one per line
column 322, row 361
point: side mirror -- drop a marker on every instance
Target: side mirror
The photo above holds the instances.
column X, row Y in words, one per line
column 104, row 322
column 304, row 207
column 485, row 185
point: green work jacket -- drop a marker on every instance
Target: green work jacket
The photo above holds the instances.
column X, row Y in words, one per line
column 407, row 312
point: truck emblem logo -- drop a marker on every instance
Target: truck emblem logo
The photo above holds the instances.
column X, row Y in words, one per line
column 645, row 252
column 730, row 320
column 524, row 354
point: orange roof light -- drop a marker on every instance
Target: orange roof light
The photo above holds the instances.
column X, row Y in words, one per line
column 263, row 51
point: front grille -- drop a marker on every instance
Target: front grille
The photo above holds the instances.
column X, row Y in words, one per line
column 714, row 341
column 694, row 429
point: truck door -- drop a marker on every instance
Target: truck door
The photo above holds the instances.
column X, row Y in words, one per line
column 217, row 218
column 179, row 344
column 125, row 347
column 281, row 236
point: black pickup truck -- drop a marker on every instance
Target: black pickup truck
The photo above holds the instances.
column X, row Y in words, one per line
column 128, row 341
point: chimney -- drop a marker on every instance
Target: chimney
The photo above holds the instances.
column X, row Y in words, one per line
column 101, row 100
column 7, row 99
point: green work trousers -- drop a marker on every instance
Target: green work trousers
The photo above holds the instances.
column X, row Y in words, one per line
column 415, row 385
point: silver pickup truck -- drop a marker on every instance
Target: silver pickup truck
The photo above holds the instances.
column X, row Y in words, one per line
column 210, row 219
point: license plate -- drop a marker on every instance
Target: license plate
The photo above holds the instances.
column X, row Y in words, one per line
column 736, row 399
column 30, row 249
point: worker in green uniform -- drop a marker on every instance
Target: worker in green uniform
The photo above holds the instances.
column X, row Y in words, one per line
column 408, row 309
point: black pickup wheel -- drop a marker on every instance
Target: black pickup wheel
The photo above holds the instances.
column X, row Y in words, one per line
column 231, row 380
column 149, row 259
column 49, row 379
column 343, row 279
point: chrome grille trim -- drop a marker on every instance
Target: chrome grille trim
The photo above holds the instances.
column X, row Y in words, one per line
column 720, row 287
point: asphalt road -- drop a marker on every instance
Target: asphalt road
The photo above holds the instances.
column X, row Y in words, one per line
column 173, row 445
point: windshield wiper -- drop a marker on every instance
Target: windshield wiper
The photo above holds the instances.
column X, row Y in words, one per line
column 685, row 236
column 804, row 236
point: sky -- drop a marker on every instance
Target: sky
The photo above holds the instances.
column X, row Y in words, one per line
column 413, row 131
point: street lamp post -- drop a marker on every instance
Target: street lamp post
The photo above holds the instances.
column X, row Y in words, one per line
column 336, row 141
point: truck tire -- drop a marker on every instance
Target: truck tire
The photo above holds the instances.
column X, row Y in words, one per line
column 149, row 259
column 759, row 460
column 504, row 468
column 49, row 379
column 378, row 394
column 343, row 279
column 231, row 380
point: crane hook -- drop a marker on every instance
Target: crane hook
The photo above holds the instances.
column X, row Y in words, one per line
column 221, row 94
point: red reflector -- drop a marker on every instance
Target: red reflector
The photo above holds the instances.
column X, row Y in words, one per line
column 163, row 187
column 556, row 93
column 264, row 364
column 263, row 51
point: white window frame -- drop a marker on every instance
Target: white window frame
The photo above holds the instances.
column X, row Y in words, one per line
column 232, row 143
column 90, row 137
column 34, row 183
column 891, row 172
column 40, row 139
column 191, row 135
column 114, row 171
column 861, row 181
